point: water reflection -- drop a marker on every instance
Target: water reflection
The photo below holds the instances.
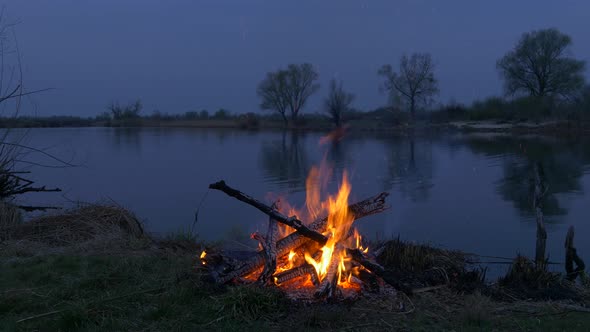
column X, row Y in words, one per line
column 338, row 155
column 127, row 137
column 563, row 164
column 409, row 166
column 285, row 161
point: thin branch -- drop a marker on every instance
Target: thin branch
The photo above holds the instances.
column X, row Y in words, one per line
column 39, row 151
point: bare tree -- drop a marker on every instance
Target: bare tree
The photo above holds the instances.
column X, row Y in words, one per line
column 273, row 91
column 288, row 89
column 13, row 151
column 129, row 111
column 301, row 85
column 415, row 82
column 539, row 65
column 338, row 102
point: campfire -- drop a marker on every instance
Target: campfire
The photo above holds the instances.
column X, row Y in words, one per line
column 312, row 253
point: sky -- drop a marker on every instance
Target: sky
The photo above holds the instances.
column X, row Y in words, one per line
column 181, row 55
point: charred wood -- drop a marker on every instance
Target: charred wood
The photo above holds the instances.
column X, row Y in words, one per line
column 289, row 221
column 390, row 276
column 303, row 270
column 270, row 249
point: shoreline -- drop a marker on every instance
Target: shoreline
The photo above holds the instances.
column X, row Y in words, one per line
column 547, row 128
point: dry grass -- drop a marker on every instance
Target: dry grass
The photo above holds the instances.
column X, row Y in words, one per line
column 91, row 227
column 525, row 280
column 77, row 225
column 10, row 216
column 425, row 265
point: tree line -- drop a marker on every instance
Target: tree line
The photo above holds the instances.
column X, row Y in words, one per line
column 539, row 66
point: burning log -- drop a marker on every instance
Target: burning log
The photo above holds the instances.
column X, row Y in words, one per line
column 289, row 221
column 329, row 285
column 367, row 207
column 391, row 277
column 303, row 270
column 270, row 249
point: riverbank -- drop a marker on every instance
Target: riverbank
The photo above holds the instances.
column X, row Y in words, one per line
column 105, row 273
column 549, row 127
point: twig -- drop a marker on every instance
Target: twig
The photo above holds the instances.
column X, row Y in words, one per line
column 428, row 289
column 357, row 326
column 214, row 321
column 386, row 323
column 41, row 315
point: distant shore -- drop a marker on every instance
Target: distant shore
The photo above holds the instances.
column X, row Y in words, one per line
column 550, row 127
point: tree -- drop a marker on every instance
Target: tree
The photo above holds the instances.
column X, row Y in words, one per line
column 129, row 111
column 288, row 89
column 539, row 65
column 221, row 114
column 415, row 82
column 338, row 102
column 273, row 91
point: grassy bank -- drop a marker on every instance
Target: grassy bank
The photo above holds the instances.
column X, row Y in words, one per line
column 165, row 293
column 125, row 280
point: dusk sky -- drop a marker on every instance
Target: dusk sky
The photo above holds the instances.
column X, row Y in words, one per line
column 179, row 56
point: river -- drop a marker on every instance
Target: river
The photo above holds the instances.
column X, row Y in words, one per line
column 458, row 191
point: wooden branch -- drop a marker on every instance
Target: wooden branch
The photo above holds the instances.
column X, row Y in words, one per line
column 302, row 270
column 13, row 94
column 571, row 257
column 290, row 221
column 389, row 276
column 29, row 190
column 270, row 249
column 367, row 207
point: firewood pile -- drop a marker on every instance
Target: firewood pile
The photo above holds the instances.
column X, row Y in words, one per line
column 319, row 260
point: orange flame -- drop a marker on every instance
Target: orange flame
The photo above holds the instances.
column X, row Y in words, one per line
column 339, row 223
column 359, row 242
column 203, row 255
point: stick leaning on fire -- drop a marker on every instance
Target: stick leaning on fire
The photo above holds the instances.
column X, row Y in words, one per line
column 305, row 236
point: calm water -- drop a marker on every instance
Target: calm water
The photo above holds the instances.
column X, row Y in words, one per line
column 463, row 192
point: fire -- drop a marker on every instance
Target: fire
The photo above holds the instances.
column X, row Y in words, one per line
column 291, row 256
column 339, row 223
column 359, row 242
column 203, row 255
column 331, row 264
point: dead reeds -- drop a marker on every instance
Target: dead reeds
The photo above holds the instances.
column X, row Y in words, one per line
column 87, row 222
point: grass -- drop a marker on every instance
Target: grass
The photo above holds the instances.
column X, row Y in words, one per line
column 157, row 285
column 166, row 293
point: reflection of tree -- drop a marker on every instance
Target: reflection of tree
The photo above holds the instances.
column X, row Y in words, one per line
column 222, row 135
column 285, row 161
column 337, row 155
column 563, row 165
column 409, row 166
column 127, row 137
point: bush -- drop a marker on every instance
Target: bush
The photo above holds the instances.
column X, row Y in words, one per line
column 221, row 114
column 489, row 109
column 248, row 121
